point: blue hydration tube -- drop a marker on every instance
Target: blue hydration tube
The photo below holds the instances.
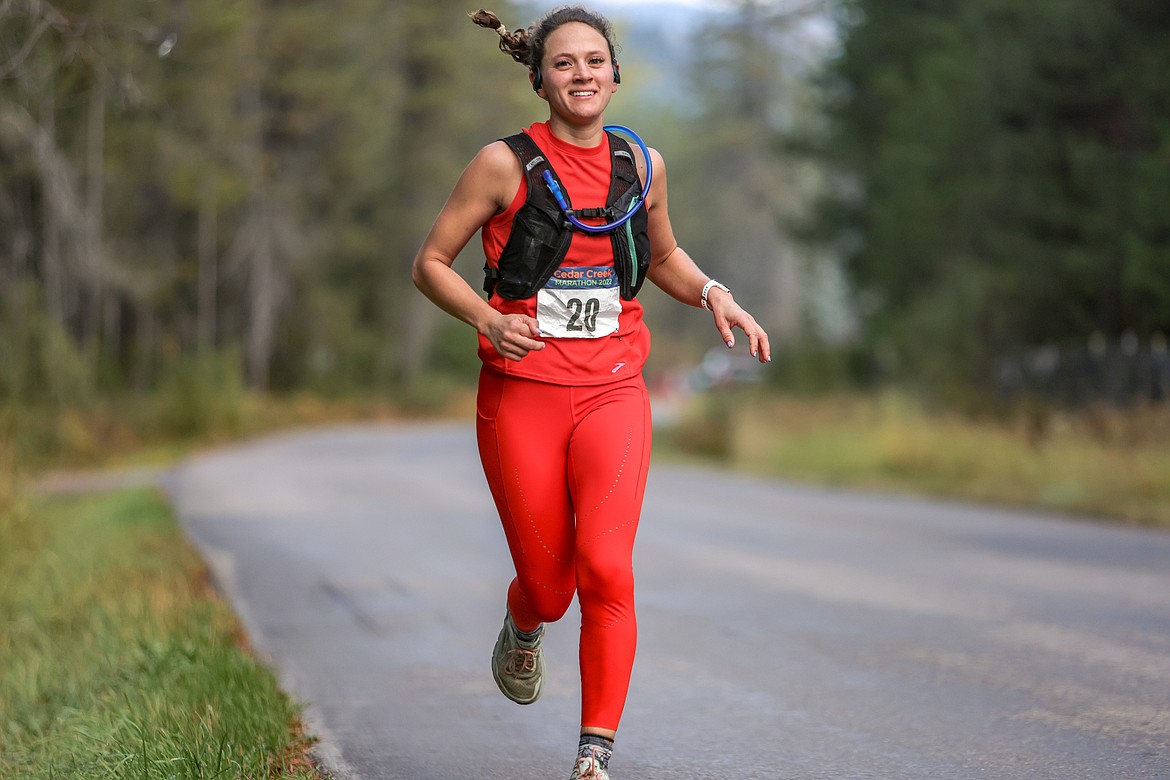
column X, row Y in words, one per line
column 564, row 204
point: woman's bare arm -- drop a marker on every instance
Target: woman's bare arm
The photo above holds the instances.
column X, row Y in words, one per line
column 486, row 187
column 673, row 270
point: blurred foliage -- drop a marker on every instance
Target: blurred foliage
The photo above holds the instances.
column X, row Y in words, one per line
column 39, row 359
column 200, row 393
column 1004, row 173
column 704, row 428
column 736, row 189
column 811, row 368
column 200, row 202
column 253, row 178
column 248, row 177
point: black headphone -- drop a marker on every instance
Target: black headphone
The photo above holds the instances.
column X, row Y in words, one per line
column 537, row 81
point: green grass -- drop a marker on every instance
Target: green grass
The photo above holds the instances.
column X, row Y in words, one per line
column 1102, row 462
column 119, row 660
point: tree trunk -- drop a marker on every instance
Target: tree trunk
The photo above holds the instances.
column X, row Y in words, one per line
column 208, row 264
column 51, row 227
column 418, row 336
column 144, row 344
column 262, row 283
column 92, row 250
column 261, row 277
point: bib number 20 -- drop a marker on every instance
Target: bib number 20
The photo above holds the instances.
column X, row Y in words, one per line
column 578, row 314
column 582, row 315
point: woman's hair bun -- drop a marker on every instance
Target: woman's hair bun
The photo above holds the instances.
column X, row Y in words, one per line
column 514, row 44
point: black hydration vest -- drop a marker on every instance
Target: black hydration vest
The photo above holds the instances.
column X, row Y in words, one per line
column 541, row 234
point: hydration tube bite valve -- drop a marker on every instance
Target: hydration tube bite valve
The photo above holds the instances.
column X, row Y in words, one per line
column 563, row 202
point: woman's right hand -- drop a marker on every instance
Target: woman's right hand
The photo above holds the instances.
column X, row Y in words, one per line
column 513, row 335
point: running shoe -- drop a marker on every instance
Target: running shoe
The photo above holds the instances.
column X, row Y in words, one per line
column 518, row 666
column 589, row 766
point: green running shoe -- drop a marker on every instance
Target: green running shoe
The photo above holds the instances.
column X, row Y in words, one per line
column 518, row 666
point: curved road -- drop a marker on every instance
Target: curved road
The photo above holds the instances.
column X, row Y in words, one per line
column 786, row 633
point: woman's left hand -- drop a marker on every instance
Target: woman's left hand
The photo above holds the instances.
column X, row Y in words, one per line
column 729, row 315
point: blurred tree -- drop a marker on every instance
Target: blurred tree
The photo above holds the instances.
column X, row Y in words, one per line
column 60, row 70
column 737, row 188
column 244, row 176
column 1000, row 165
column 454, row 92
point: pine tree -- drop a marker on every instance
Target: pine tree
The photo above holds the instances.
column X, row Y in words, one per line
column 739, row 190
column 1005, row 159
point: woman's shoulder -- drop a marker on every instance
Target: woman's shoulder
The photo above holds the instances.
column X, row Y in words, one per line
column 495, row 172
column 656, row 160
column 497, row 159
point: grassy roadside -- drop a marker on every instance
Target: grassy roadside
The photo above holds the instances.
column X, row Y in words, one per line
column 1101, row 462
column 120, row 661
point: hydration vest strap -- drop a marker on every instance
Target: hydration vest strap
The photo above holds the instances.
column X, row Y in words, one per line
column 490, row 276
column 534, row 163
column 541, row 233
column 624, row 174
column 606, row 213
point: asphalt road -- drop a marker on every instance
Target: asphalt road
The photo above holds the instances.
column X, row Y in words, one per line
column 786, row 633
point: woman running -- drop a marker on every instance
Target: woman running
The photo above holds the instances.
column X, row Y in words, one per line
column 563, row 415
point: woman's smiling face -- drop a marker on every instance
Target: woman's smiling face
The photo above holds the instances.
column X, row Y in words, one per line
column 577, row 73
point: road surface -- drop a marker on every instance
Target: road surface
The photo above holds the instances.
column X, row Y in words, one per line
column 786, row 632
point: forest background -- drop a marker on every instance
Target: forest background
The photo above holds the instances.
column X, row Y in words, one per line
column 207, row 202
column 951, row 217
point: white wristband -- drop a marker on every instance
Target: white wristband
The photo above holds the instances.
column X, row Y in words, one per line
column 707, row 288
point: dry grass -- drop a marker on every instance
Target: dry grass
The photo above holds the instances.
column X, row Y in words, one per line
column 1103, row 462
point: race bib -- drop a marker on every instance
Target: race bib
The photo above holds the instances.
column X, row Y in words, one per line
column 579, row 303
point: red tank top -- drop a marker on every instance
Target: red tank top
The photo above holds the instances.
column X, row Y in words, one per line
column 585, row 360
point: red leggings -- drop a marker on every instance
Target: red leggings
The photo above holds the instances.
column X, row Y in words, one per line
column 567, row 468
